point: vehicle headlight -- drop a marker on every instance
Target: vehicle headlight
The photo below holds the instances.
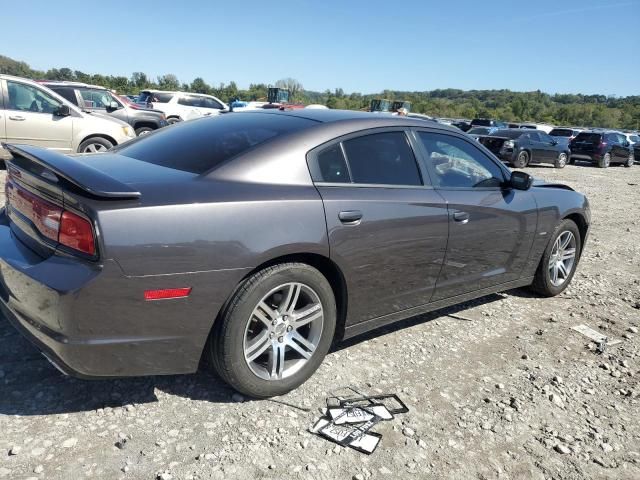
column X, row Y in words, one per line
column 128, row 131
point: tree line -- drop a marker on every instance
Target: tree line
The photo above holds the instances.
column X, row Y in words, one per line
column 557, row 109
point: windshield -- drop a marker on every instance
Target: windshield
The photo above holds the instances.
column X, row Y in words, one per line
column 199, row 145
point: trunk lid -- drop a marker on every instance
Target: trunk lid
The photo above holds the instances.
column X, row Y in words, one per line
column 586, row 142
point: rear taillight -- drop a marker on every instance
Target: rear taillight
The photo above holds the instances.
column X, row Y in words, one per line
column 77, row 233
column 52, row 221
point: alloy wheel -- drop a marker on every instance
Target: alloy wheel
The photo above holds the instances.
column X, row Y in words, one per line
column 563, row 258
column 283, row 331
column 562, row 160
column 94, row 148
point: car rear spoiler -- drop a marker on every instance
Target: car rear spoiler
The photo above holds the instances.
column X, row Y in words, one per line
column 85, row 177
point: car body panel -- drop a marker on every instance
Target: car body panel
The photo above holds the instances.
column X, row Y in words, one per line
column 209, row 232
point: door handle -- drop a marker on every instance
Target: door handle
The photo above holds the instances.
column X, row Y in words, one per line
column 17, row 118
column 461, row 217
column 350, row 217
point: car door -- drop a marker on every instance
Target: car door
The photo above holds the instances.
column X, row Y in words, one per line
column 3, row 116
column 211, row 106
column 538, row 151
column 620, row 147
column 31, row 118
column 491, row 228
column 191, row 106
column 550, row 147
column 387, row 227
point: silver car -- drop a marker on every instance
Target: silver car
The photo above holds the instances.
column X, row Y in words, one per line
column 32, row 114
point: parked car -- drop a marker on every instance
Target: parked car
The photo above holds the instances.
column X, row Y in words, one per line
column 602, row 147
column 179, row 106
column 99, row 99
column 487, row 122
column 32, row 114
column 262, row 237
column 463, row 125
column 476, row 132
column 522, row 147
column 564, row 135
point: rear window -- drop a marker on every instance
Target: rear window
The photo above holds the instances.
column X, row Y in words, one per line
column 507, row 133
column 200, row 145
column 561, row 132
column 588, row 137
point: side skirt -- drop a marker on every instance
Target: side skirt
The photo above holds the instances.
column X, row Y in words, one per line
column 362, row 327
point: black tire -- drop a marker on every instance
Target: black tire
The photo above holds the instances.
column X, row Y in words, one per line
column 522, row 160
column 630, row 161
column 172, row 120
column 561, row 161
column 95, row 145
column 226, row 346
column 143, row 130
column 542, row 281
column 604, row 161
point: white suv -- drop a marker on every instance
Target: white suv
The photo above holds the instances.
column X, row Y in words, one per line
column 32, row 114
column 179, row 106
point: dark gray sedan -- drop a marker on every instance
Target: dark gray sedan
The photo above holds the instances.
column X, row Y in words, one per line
column 258, row 239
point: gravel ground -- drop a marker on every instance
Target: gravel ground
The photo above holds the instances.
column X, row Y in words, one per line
column 497, row 388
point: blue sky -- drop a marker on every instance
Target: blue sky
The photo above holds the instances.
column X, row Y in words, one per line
column 585, row 46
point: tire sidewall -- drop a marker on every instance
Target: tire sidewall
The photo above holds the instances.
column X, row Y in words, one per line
column 237, row 317
column 630, row 161
column 563, row 226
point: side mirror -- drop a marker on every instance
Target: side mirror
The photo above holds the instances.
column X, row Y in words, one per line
column 62, row 111
column 520, row 180
column 112, row 107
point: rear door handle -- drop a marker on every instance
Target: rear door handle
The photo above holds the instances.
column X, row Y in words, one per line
column 350, row 216
column 17, row 118
column 461, row 217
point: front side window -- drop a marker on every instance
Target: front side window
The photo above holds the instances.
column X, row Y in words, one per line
column 27, row 98
column 382, row 158
column 211, row 103
column 456, row 163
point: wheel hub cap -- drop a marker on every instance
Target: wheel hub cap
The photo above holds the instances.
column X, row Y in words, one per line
column 562, row 259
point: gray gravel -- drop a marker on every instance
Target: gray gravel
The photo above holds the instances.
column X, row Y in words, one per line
column 504, row 390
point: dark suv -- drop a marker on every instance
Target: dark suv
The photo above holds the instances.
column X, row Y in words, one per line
column 602, row 147
column 521, row 147
column 99, row 99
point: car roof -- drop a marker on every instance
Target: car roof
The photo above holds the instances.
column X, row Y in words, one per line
column 354, row 117
column 61, row 83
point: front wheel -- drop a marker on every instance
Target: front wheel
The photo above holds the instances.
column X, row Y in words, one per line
column 605, row 161
column 143, row 130
column 522, row 160
column 275, row 331
column 172, row 120
column 561, row 161
column 95, row 145
column 630, row 160
column 559, row 260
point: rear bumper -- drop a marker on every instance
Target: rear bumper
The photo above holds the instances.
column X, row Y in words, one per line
column 92, row 321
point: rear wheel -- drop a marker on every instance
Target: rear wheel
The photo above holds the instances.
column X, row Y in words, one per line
column 559, row 260
column 561, row 161
column 522, row 160
column 95, row 145
column 275, row 331
column 172, row 120
column 604, row 161
column 630, row 160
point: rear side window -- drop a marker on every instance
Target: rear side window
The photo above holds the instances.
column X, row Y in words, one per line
column 382, row 158
column 67, row 93
column 330, row 166
column 159, row 97
column 200, row 145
